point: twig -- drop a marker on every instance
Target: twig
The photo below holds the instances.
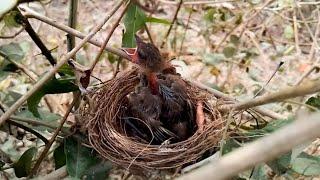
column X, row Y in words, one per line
column 263, row 150
column 172, row 23
column 219, row 94
column 35, row 123
column 26, row 128
column 287, row 93
column 19, row 66
column 244, row 24
column 296, row 31
column 273, row 74
column 32, row 14
column 72, row 22
column 116, row 24
column 148, row 33
column 53, row 138
column 13, row 35
column 36, row 39
column 51, row 73
column 185, row 31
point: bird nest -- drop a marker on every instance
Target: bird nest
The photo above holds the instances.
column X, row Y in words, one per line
column 108, row 134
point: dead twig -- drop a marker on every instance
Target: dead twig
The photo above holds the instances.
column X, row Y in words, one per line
column 172, row 23
column 263, row 150
column 51, row 73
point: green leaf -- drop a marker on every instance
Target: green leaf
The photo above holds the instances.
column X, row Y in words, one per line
column 6, row 6
column 59, row 157
column 230, row 145
column 13, row 51
column 82, row 161
column 234, row 40
column 212, row 58
column 260, row 173
column 12, row 19
column 1, row 164
column 271, row 127
column 66, row 69
column 307, row 165
column 314, row 101
column 23, row 166
column 229, row 51
column 98, row 171
column 281, row 164
column 157, row 20
column 134, row 20
column 54, row 86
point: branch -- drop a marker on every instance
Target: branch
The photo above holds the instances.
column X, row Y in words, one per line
column 51, row 73
column 53, row 138
column 32, row 14
column 172, row 23
column 287, row 93
column 219, row 94
column 263, row 150
column 26, row 128
column 34, row 36
column 103, row 46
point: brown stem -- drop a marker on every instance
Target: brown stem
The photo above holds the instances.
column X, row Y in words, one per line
column 53, row 138
column 36, row 39
column 172, row 22
column 103, row 46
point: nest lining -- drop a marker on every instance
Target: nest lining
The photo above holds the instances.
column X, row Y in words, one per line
column 107, row 134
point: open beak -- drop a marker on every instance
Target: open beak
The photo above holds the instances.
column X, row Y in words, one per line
column 132, row 53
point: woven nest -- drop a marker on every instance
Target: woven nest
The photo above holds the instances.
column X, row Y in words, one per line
column 107, row 133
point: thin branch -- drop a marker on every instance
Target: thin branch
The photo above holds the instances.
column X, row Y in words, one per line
column 36, row 39
column 219, row 94
column 13, row 35
column 51, row 73
column 103, row 46
column 53, row 138
column 263, row 150
column 287, row 93
column 26, row 128
column 172, row 23
column 32, row 14
column 72, row 22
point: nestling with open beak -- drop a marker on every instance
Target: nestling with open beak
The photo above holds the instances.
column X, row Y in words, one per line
column 161, row 98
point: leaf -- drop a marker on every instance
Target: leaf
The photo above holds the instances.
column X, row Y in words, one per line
column 229, row 51
column 234, row 40
column 99, row 171
column 260, row 173
column 6, row 6
column 82, row 161
column 11, row 19
column 133, row 21
column 59, row 157
column 54, row 86
column 158, row 20
column 229, row 145
column 281, row 164
column 13, row 51
column 212, row 58
column 307, row 165
column 288, row 32
column 23, row 166
column 271, row 127
column 314, row 101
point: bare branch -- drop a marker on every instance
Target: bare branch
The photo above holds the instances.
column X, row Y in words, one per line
column 263, row 150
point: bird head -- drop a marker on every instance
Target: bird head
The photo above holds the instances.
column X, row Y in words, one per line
column 146, row 55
